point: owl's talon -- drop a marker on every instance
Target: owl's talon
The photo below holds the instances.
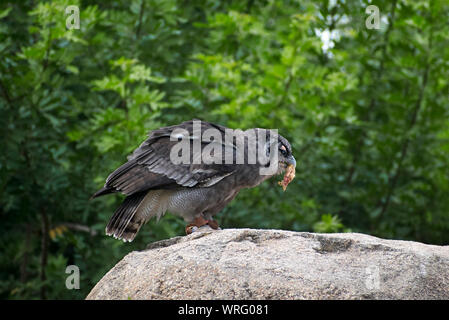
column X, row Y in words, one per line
column 213, row 224
column 190, row 229
column 200, row 222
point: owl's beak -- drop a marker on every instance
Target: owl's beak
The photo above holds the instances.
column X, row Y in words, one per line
column 291, row 161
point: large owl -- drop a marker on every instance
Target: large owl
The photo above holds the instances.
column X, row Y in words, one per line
column 193, row 170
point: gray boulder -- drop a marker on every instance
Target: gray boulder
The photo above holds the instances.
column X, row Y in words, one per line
column 275, row 264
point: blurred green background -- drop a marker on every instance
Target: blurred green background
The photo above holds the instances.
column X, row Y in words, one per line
column 366, row 111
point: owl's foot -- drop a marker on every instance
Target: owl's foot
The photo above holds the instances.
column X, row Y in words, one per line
column 199, row 222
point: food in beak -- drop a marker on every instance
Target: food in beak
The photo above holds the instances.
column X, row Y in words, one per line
column 288, row 177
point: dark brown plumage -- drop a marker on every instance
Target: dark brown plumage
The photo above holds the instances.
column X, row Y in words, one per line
column 154, row 183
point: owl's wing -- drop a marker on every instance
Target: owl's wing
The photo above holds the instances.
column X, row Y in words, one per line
column 150, row 166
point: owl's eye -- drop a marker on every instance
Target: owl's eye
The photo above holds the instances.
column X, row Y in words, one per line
column 283, row 150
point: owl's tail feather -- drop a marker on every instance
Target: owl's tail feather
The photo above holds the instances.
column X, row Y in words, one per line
column 124, row 224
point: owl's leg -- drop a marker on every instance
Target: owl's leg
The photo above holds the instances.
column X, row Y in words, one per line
column 199, row 222
column 211, row 222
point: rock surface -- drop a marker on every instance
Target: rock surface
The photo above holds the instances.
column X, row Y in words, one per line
column 275, row 264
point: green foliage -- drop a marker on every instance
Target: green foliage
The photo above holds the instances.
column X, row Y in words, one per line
column 366, row 112
column 328, row 224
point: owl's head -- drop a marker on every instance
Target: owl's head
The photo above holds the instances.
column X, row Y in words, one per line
column 278, row 154
column 285, row 156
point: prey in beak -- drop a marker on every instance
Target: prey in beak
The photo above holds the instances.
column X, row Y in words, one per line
column 287, row 161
